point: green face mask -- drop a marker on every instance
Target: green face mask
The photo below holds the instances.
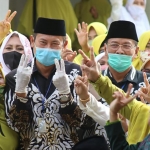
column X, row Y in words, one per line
column 118, row 62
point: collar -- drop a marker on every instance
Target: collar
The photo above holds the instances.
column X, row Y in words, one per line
column 131, row 75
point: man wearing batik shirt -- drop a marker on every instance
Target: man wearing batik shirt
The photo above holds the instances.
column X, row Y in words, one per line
column 121, row 48
column 40, row 100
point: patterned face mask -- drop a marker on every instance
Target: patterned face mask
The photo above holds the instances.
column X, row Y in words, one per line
column 144, row 56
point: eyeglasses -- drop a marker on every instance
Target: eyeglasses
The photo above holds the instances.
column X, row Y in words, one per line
column 125, row 47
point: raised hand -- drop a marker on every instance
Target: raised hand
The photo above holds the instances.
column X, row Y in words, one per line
column 81, row 86
column 60, row 79
column 121, row 100
column 90, row 66
column 68, row 54
column 23, row 74
column 82, row 35
column 144, row 92
column 5, row 25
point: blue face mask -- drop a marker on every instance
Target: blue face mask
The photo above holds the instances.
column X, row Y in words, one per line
column 118, row 62
column 46, row 56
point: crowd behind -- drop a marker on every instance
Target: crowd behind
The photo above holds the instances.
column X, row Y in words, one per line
column 97, row 98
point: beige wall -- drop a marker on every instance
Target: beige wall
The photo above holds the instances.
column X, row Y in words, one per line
column 4, row 5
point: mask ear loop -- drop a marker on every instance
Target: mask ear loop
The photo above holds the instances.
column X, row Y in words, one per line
column 34, row 49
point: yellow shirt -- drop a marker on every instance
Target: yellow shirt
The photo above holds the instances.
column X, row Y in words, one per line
column 135, row 111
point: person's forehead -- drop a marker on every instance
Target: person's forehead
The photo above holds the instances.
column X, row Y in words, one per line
column 14, row 40
column 49, row 37
column 138, row 1
column 120, row 40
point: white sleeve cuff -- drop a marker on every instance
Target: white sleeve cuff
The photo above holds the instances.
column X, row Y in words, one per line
column 96, row 110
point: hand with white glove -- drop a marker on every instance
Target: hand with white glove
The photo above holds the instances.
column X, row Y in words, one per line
column 60, row 79
column 23, row 75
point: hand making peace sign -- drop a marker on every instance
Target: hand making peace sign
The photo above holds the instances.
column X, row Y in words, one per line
column 5, row 25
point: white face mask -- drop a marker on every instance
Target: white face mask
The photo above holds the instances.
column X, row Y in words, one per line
column 90, row 42
column 144, row 56
column 136, row 11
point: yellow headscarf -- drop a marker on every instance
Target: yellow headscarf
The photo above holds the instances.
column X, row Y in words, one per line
column 100, row 28
column 144, row 38
column 97, row 43
column 69, row 45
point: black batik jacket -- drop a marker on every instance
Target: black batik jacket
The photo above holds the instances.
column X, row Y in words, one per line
column 66, row 124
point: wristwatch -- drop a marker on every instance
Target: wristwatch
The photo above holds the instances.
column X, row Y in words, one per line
column 65, row 97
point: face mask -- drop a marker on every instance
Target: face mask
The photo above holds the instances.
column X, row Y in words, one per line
column 118, row 62
column 136, row 11
column 90, row 42
column 104, row 67
column 12, row 59
column 144, row 56
column 46, row 56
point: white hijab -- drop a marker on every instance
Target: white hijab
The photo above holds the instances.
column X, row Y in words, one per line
column 132, row 13
column 25, row 43
column 137, row 15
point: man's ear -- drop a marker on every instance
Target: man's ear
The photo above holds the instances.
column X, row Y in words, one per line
column 105, row 50
column 136, row 53
column 65, row 44
column 32, row 41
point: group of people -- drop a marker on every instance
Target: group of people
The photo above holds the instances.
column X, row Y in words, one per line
column 53, row 98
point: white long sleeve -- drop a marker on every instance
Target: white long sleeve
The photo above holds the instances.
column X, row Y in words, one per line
column 116, row 9
column 96, row 110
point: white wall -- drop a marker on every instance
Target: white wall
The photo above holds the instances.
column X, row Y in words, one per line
column 4, row 5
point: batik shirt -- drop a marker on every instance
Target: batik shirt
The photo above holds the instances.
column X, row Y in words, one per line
column 66, row 124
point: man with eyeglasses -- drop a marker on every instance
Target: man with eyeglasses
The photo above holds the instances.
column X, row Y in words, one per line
column 121, row 48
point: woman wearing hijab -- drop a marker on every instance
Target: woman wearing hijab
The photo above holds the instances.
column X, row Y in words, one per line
column 95, row 29
column 144, row 50
column 133, row 11
column 13, row 46
column 86, row 35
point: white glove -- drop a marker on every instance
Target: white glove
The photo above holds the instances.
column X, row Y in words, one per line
column 60, row 79
column 23, row 74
